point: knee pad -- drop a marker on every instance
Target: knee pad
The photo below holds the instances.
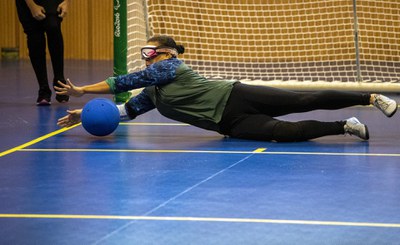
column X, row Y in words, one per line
column 287, row 132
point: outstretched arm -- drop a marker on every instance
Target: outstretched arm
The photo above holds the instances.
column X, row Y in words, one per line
column 70, row 89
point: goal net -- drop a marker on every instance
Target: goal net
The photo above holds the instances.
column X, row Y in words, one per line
column 297, row 44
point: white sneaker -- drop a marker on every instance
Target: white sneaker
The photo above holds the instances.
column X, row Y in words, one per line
column 354, row 127
column 386, row 105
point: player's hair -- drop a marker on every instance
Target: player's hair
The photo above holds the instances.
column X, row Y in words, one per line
column 167, row 41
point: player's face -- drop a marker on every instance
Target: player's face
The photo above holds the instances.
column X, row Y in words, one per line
column 156, row 58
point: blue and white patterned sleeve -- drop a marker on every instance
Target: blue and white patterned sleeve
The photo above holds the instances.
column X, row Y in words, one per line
column 159, row 73
column 138, row 105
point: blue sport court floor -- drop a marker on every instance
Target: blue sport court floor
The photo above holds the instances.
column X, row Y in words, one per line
column 157, row 181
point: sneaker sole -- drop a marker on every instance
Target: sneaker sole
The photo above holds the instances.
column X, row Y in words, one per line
column 43, row 103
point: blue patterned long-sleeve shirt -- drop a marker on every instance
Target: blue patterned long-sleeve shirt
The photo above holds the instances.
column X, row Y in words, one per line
column 157, row 74
column 177, row 92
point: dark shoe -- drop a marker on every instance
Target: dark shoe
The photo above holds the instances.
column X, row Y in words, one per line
column 44, row 97
column 43, row 102
column 62, row 98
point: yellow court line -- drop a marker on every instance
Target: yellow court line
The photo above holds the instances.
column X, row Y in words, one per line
column 257, row 151
column 32, row 142
column 202, row 219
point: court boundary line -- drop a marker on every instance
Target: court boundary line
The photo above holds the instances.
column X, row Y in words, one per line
column 200, row 219
column 46, row 136
column 257, row 151
column 163, row 204
column 34, row 141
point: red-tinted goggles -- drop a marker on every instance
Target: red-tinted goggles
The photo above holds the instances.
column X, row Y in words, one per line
column 150, row 52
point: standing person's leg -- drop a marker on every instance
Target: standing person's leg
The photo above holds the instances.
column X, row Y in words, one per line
column 37, row 50
column 55, row 43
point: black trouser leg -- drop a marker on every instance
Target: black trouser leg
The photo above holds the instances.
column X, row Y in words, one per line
column 55, row 42
column 277, row 102
column 36, row 41
column 250, row 112
column 52, row 25
column 262, row 127
column 37, row 55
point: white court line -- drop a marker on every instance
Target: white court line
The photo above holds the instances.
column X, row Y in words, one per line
column 201, row 219
column 173, row 198
column 258, row 151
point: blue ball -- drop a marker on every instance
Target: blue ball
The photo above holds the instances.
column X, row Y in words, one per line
column 100, row 117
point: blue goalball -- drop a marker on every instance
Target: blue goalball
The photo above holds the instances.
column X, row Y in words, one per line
column 100, row 117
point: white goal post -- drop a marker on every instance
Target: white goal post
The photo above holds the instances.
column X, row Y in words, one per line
column 295, row 44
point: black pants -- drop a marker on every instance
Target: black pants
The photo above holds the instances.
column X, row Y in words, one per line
column 36, row 32
column 250, row 112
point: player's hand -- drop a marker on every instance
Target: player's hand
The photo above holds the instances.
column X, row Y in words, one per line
column 73, row 117
column 37, row 11
column 68, row 89
column 62, row 9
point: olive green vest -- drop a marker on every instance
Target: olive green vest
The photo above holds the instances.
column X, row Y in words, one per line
column 192, row 99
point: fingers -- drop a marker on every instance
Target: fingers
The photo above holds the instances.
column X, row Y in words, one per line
column 69, row 89
column 62, row 13
column 59, row 90
column 63, row 122
column 69, row 82
column 73, row 117
column 62, row 9
column 65, row 85
column 62, row 89
column 40, row 14
column 66, row 121
column 65, row 88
